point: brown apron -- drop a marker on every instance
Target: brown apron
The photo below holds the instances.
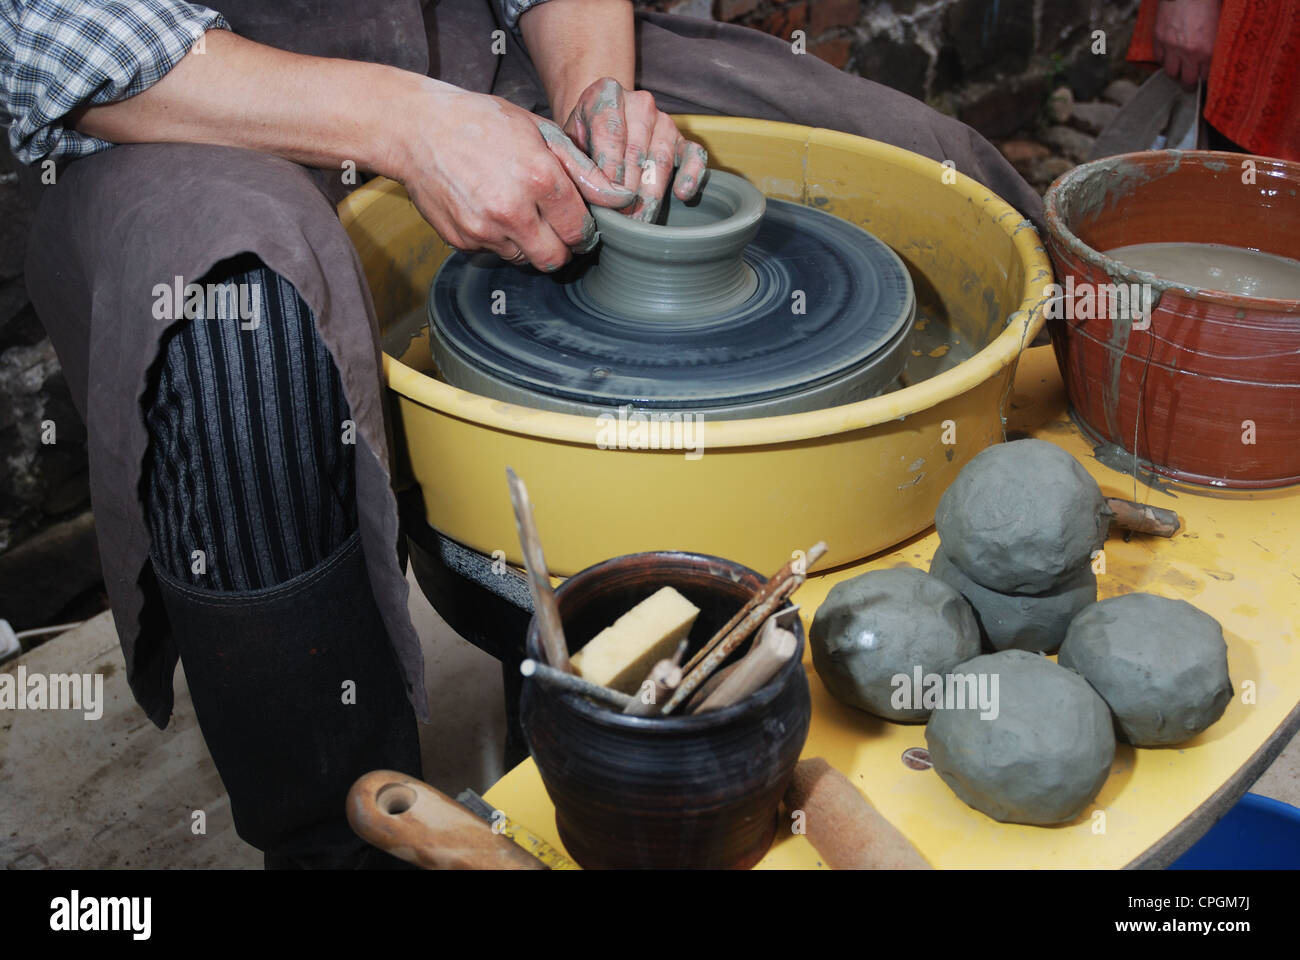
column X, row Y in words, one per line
column 118, row 222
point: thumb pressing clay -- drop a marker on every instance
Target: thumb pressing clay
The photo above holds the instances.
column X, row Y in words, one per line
column 1022, row 517
column 1160, row 664
column 884, row 624
column 1021, row 621
column 1045, row 754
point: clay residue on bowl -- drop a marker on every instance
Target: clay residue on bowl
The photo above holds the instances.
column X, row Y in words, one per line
column 1176, row 381
column 1085, row 193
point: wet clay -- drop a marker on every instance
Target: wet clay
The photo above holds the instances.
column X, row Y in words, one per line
column 692, row 271
column 1161, row 665
column 1216, row 266
column 884, row 623
column 1016, row 620
column 1044, row 757
column 1022, row 517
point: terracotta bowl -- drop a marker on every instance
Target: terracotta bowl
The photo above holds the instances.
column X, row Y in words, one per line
column 693, row 791
column 1210, row 389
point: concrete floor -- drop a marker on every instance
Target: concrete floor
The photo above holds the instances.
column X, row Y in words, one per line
column 118, row 792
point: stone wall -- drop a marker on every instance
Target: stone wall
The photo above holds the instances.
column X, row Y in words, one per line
column 993, row 63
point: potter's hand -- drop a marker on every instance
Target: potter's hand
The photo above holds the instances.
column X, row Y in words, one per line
column 488, row 175
column 635, row 144
column 1184, row 39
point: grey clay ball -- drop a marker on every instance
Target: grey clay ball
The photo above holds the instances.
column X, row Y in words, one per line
column 884, row 623
column 1022, row 517
column 1045, row 755
column 1160, row 664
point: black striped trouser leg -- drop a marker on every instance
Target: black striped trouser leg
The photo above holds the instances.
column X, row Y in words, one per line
column 250, row 499
column 249, row 481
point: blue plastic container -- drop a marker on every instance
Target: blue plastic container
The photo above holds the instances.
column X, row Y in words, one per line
column 1259, row 833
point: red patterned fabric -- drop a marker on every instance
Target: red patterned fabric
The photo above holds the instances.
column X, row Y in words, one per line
column 1253, row 94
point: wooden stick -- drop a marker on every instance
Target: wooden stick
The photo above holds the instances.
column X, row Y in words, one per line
column 708, row 686
column 776, row 582
column 730, row 642
column 785, row 617
column 664, row 678
column 572, row 683
column 1142, row 518
column 680, row 651
column 770, row 651
column 764, row 603
column 848, row 832
column 539, row 578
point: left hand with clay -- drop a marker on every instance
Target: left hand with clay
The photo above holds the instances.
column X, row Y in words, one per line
column 622, row 129
column 635, row 144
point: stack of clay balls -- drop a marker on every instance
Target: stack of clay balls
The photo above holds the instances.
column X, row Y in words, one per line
column 1017, row 531
column 1013, row 576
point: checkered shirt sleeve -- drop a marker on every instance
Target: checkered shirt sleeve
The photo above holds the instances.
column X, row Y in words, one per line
column 58, row 55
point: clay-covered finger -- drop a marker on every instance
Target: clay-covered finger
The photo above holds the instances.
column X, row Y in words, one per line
column 657, row 170
column 640, row 131
column 541, row 245
column 562, row 208
column 692, row 159
column 603, row 117
column 593, row 185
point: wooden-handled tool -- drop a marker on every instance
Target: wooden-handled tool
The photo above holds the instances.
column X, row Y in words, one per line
column 708, row 686
column 738, row 629
column 770, row 651
column 848, row 832
column 539, row 578
column 785, row 617
column 779, row 581
column 1142, row 518
column 413, row 821
column 665, row 677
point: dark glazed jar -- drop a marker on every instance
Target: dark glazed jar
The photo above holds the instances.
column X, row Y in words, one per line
column 663, row 792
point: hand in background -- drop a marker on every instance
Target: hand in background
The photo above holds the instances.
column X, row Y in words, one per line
column 1184, row 38
column 634, row 143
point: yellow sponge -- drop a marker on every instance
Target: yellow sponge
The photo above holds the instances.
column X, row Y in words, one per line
column 621, row 655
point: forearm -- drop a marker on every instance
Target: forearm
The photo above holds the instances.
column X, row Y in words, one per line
column 575, row 42
column 316, row 111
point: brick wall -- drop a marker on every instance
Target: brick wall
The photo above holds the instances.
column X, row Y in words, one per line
column 990, row 62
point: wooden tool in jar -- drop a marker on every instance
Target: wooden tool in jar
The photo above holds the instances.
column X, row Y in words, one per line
column 749, row 618
column 772, row 648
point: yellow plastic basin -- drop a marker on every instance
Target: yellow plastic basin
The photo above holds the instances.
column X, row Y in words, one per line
column 862, row 477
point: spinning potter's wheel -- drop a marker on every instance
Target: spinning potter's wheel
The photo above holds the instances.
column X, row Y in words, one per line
column 734, row 307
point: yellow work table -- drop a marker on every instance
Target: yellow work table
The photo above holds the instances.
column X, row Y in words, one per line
column 1235, row 557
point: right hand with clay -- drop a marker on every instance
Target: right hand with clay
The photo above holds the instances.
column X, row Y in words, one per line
column 1184, row 38
column 488, row 175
